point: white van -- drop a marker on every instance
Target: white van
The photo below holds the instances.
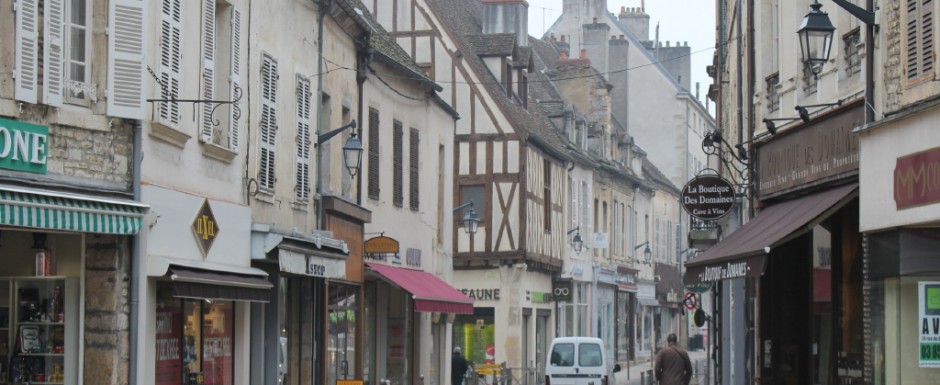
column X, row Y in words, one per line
column 579, row 361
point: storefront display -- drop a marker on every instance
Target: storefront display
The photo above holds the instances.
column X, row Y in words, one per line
column 194, row 340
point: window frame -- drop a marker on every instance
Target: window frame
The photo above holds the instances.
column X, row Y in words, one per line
column 69, row 84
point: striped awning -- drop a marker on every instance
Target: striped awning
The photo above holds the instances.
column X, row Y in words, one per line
column 55, row 210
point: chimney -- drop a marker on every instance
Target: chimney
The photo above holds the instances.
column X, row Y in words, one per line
column 696, row 89
column 507, row 16
column 637, row 21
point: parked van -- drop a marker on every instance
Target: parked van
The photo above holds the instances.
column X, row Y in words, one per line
column 579, row 361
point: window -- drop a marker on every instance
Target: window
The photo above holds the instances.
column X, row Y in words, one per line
column 562, row 355
column 373, row 154
column 78, row 46
column 302, row 169
column 203, row 333
column 221, row 52
column 414, row 142
column 850, row 45
column 398, row 185
column 547, row 194
column 268, row 124
column 170, row 58
column 589, row 355
column 810, row 80
column 919, row 32
column 507, row 78
column 475, row 194
column 524, row 89
column 773, row 98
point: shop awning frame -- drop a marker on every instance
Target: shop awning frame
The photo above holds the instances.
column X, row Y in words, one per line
column 743, row 252
column 430, row 293
column 216, row 285
column 62, row 211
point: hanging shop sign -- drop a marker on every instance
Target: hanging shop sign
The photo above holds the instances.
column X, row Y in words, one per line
column 929, row 341
column 708, row 197
column 382, row 248
column 561, row 291
column 739, row 268
column 23, row 146
column 205, row 228
column 917, row 179
column 311, row 265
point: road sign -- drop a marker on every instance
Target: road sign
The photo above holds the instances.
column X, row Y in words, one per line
column 349, row 382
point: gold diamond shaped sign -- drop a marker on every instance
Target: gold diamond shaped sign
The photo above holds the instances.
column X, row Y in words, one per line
column 205, row 228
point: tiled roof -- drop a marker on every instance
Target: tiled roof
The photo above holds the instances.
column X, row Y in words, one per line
column 652, row 172
column 495, row 44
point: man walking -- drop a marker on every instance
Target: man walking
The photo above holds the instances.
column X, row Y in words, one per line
column 672, row 364
column 458, row 367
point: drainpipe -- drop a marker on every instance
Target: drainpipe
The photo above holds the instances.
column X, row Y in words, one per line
column 325, row 7
column 135, row 263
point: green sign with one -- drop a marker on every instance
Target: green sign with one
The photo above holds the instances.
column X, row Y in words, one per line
column 23, row 146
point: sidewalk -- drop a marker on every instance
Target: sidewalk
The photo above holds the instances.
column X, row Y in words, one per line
column 638, row 371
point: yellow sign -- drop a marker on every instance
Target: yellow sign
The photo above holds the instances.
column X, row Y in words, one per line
column 205, row 227
column 488, row 369
column 349, row 382
column 381, row 244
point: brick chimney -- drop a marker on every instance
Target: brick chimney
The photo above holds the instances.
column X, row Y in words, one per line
column 507, row 16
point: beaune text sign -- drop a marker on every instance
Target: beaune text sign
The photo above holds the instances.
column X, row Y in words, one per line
column 708, row 197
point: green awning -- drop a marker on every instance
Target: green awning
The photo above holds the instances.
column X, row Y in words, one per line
column 54, row 210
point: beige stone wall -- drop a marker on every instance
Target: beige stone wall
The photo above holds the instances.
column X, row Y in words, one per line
column 106, row 310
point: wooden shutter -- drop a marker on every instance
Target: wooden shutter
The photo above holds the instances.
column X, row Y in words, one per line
column 919, row 31
column 373, row 154
column 266, row 176
column 126, row 59
column 413, row 147
column 302, row 187
column 27, row 51
column 170, row 57
column 236, row 76
column 398, row 185
column 53, row 73
column 207, row 125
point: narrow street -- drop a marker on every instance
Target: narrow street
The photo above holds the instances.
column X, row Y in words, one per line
column 638, row 374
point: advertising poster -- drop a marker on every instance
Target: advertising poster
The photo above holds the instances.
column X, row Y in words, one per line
column 929, row 341
column 217, row 364
column 168, row 365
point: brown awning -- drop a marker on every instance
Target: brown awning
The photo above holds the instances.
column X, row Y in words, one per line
column 742, row 253
column 215, row 285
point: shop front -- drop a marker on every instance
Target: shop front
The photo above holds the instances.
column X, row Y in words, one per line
column 647, row 319
column 294, row 324
column 604, row 308
column 789, row 280
column 626, row 313
column 900, row 195
column 407, row 312
column 574, row 307
column 61, row 254
column 669, row 292
column 512, row 320
column 200, row 287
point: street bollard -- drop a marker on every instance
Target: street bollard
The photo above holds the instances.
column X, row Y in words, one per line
column 642, row 378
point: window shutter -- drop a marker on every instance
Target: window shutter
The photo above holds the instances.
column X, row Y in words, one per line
column 170, row 57
column 268, row 122
column 919, row 32
column 126, row 59
column 926, row 37
column 208, row 69
column 398, row 193
column 27, row 51
column 236, row 75
column 53, row 74
column 373, row 154
column 413, row 167
column 302, row 188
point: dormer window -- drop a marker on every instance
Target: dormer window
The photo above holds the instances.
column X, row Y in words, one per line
column 507, row 78
column 523, row 89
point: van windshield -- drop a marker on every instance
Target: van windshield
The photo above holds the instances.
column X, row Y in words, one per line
column 562, row 355
column 589, row 355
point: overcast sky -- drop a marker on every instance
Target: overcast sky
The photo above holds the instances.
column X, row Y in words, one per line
column 679, row 20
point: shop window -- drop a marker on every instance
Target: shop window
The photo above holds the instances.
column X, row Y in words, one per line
column 475, row 335
column 194, row 340
column 341, row 339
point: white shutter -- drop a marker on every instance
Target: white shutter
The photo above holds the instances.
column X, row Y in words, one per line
column 236, row 75
column 126, row 59
column 170, row 57
column 27, row 51
column 266, row 176
column 53, row 73
column 302, row 187
column 208, row 69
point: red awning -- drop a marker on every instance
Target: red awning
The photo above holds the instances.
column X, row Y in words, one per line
column 429, row 292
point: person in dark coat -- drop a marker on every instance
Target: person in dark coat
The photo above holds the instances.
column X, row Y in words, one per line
column 673, row 366
column 458, row 367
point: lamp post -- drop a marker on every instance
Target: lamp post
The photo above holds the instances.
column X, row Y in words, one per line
column 646, row 252
column 816, row 40
column 352, row 157
column 577, row 243
column 470, row 220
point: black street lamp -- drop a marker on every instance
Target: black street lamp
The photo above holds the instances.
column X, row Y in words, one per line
column 816, row 38
column 577, row 243
column 646, row 252
column 470, row 220
column 352, row 154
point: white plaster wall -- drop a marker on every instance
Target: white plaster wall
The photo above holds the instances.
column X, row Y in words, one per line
column 879, row 149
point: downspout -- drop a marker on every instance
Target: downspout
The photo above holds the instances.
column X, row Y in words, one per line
column 739, row 97
column 325, row 6
column 135, row 263
column 751, row 84
column 364, row 58
column 870, row 67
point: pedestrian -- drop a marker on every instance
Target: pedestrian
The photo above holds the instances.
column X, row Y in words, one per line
column 672, row 364
column 458, row 367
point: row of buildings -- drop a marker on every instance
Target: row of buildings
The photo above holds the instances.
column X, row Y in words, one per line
column 215, row 191
column 828, row 272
